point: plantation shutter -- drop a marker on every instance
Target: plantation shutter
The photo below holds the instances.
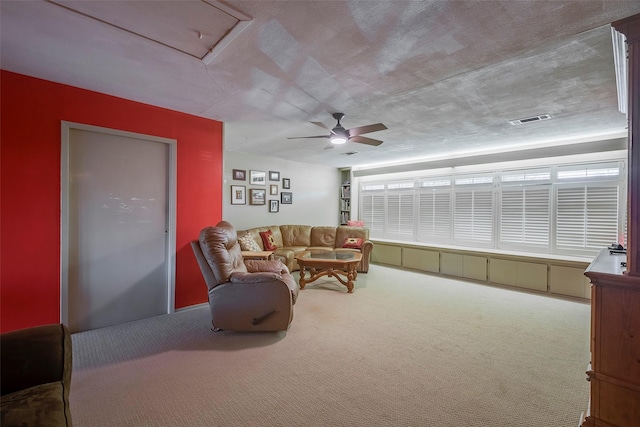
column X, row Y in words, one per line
column 587, row 216
column 473, row 216
column 400, row 216
column 434, row 219
column 524, row 216
column 373, row 213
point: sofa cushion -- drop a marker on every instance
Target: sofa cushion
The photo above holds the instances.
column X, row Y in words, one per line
column 352, row 242
column 286, row 255
column 296, row 235
column 42, row 405
column 248, row 244
column 344, row 231
column 324, row 236
column 255, row 232
column 268, row 241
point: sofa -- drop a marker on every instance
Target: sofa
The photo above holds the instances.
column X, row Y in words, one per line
column 290, row 240
column 36, row 376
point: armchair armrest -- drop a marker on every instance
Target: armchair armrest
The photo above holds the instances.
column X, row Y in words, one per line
column 274, row 266
column 257, row 277
column 367, row 247
column 35, row 356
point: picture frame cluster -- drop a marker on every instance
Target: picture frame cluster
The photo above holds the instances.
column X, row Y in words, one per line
column 258, row 196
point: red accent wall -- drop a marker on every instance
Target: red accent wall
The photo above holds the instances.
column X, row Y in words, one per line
column 31, row 115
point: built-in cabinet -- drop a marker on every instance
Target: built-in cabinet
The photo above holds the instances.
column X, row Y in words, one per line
column 521, row 274
column 563, row 277
column 614, row 373
column 345, row 196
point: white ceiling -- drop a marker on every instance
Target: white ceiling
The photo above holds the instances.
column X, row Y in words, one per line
column 444, row 76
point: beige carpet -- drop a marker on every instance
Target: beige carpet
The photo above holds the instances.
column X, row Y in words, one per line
column 405, row 349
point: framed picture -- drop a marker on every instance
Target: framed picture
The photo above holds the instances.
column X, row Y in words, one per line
column 273, row 190
column 258, row 196
column 238, row 195
column 257, row 177
column 274, row 206
column 286, row 198
column 286, row 183
column 274, row 176
column 239, row 175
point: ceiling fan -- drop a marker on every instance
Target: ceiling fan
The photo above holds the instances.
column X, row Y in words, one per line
column 340, row 135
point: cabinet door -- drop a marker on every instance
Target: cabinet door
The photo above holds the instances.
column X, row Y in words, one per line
column 568, row 281
column 387, row 254
column 451, row 264
column 420, row 259
column 503, row 271
column 474, row 267
column 532, row 276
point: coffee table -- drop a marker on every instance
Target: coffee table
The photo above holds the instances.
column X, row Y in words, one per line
column 341, row 265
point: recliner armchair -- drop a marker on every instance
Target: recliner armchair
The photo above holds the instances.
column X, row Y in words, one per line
column 251, row 295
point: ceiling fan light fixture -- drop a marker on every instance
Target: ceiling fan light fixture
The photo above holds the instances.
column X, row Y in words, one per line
column 337, row 139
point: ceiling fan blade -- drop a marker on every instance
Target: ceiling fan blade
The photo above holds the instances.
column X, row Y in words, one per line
column 329, row 146
column 322, row 125
column 305, row 137
column 366, row 129
column 365, row 140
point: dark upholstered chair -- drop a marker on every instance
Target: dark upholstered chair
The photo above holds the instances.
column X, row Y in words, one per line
column 251, row 295
column 36, row 376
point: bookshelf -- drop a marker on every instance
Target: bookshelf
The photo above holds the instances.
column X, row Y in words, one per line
column 345, row 196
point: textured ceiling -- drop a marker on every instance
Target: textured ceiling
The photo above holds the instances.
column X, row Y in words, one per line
column 444, row 76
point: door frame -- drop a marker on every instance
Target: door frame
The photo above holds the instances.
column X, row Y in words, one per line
column 170, row 235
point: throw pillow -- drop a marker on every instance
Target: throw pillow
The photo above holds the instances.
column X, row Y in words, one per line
column 352, row 242
column 268, row 240
column 248, row 244
column 355, row 223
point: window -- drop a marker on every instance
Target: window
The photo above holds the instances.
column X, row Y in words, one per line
column 373, row 213
column 524, row 217
column 473, row 210
column 525, row 208
column 473, row 216
column 587, row 217
column 573, row 209
column 434, row 222
column 434, row 210
column 400, row 216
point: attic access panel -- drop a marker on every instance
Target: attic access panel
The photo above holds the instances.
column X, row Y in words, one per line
column 191, row 27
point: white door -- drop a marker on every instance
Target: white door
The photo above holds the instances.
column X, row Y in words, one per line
column 117, row 229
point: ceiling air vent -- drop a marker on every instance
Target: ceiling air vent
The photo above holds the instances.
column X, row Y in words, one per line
column 530, row 119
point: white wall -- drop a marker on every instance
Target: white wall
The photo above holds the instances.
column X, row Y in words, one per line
column 315, row 189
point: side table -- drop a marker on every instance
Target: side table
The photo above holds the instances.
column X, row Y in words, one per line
column 257, row 254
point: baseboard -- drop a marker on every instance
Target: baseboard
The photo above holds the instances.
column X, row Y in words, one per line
column 191, row 307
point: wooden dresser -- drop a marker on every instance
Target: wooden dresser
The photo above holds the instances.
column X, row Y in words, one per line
column 615, row 344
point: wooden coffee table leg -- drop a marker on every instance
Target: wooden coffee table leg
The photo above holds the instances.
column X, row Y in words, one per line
column 302, row 281
column 351, row 276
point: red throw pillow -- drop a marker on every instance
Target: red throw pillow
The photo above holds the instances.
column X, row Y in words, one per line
column 355, row 223
column 352, row 242
column 268, row 241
